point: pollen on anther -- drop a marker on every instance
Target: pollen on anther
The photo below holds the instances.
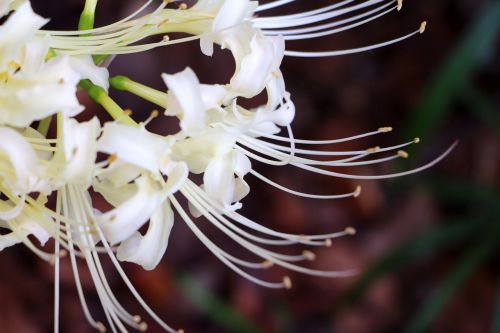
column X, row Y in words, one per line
column 385, row 129
column 328, row 243
column 350, row 231
column 183, row 6
column 100, row 327
column 416, row 140
column 373, row 150
column 423, row 25
column 357, row 191
column 127, row 112
column 166, row 38
column 143, row 327
column 287, row 282
column 112, row 158
column 311, row 256
column 403, row 154
column 267, row 264
column 400, row 5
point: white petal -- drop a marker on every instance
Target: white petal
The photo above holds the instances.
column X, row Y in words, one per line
column 84, row 65
column 19, row 28
column 177, row 174
column 148, row 250
column 30, row 226
column 257, row 66
column 9, row 211
column 8, row 240
column 80, row 149
column 198, row 151
column 123, row 221
column 219, row 181
column 26, row 174
column 185, row 99
column 134, row 145
column 33, row 95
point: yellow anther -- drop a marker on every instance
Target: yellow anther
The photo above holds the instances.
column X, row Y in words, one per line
column 403, row 154
column 328, row 243
column 350, row 231
column 309, row 255
column 112, row 158
column 423, row 25
column 155, row 114
column 100, row 327
column 267, row 264
column 127, row 112
column 287, row 282
column 357, row 191
column 416, row 140
column 373, row 150
column 400, row 5
column 385, row 129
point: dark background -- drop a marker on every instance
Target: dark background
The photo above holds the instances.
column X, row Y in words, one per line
column 426, row 244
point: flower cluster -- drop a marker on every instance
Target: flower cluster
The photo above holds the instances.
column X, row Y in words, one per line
column 46, row 180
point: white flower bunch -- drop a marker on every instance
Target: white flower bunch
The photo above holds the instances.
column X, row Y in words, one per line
column 45, row 180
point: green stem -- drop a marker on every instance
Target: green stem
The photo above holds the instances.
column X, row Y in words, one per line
column 87, row 17
column 101, row 97
column 123, row 83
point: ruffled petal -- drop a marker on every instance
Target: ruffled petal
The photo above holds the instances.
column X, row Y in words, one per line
column 148, row 250
column 123, row 221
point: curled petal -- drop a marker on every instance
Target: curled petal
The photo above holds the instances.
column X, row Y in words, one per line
column 9, row 212
column 80, row 149
column 123, row 221
column 185, row 99
column 20, row 172
column 148, row 250
column 8, row 240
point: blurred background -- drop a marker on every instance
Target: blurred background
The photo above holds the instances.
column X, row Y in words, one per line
column 427, row 245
